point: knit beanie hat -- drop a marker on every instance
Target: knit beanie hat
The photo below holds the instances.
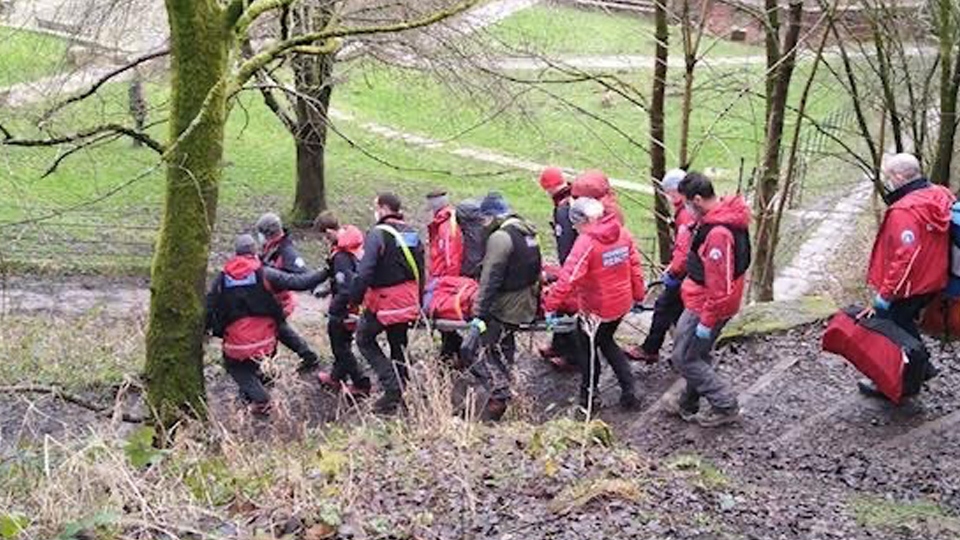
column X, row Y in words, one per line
column 494, row 205
column 551, row 179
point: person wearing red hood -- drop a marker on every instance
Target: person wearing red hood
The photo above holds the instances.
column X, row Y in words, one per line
column 669, row 305
column 242, row 309
column 910, row 257
column 712, row 293
column 446, row 256
column 346, row 246
column 604, row 273
column 389, row 282
column 596, row 185
column 277, row 251
column 561, row 350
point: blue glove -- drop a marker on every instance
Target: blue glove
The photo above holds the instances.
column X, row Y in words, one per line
column 704, row 332
column 479, row 325
column 669, row 281
column 552, row 320
column 881, row 304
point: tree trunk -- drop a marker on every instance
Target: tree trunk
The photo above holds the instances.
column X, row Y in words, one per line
column 314, row 87
column 658, row 158
column 763, row 270
column 313, row 80
column 689, row 64
column 174, row 346
column 949, row 85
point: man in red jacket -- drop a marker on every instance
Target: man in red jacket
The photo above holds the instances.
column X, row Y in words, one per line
column 712, row 293
column 910, row 257
column 561, row 350
column 389, row 284
column 669, row 305
column 446, row 256
column 242, row 309
column 603, row 271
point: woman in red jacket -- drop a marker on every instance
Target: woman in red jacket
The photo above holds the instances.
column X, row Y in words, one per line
column 603, row 271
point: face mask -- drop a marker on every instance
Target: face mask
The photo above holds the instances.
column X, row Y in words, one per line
column 692, row 208
column 376, row 216
column 261, row 239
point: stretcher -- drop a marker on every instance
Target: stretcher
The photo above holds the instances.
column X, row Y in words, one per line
column 563, row 325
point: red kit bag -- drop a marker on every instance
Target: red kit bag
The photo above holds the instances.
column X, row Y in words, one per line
column 451, row 298
column 877, row 347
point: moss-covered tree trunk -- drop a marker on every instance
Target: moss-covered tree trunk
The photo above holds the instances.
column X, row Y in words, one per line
column 658, row 149
column 949, row 35
column 174, row 363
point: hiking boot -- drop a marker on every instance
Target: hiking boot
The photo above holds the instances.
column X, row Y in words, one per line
column 867, row 388
column 585, row 402
column 358, row 390
column 630, row 402
column 560, row 363
column 260, row 410
column 719, row 417
column 637, row 354
column 308, row 366
column 328, row 381
column 547, row 353
column 389, row 403
column 686, row 414
column 494, row 410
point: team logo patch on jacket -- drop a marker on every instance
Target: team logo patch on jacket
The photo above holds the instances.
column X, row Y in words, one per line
column 715, row 254
column 616, row 256
column 907, row 237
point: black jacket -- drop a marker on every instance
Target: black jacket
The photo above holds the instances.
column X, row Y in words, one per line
column 284, row 256
column 342, row 272
column 384, row 263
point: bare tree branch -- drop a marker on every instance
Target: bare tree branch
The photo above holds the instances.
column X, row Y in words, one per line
column 69, row 398
column 100, row 82
column 148, row 141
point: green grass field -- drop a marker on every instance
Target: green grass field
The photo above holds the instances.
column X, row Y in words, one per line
column 549, row 29
column 26, row 55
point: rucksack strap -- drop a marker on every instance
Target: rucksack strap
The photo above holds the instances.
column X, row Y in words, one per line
column 402, row 244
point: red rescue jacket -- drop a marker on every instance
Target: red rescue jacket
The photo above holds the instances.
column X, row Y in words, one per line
column 596, row 185
column 721, row 295
column 911, row 252
column 683, row 223
column 603, row 270
column 248, row 337
column 446, row 243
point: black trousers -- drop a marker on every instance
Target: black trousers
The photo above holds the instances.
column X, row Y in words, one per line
column 247, row 375
column 666, row 312
column 450, row 343
column 345, row 365
column 565, row 345
column 498, row 350
column 604, row 343
column 293, row 341
column 391, row 372
column 905, row 313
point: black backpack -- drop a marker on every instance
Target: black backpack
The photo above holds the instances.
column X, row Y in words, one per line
column 470, row 222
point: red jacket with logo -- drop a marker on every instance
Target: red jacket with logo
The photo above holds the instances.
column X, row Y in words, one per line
column 721, row 295
column 911, row 252
column 683, row 223
column 248, row 337
column 446, row 243
column 603, row 270
column 387, row 283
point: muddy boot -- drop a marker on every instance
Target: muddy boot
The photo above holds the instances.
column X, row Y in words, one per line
column 676, row 407
column 389, row 403
column 630, row 402
column 586, row 403
column 260, row 410
column 719, row 417
column 931, row 372
column 359, row 389
column 637, row 354
column 867, row 388
column 328, row 381
column 494, row 410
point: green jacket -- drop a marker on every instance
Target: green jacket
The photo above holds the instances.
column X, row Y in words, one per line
column 513, row 307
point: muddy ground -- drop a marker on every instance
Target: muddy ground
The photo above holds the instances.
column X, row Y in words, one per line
column 808, row 448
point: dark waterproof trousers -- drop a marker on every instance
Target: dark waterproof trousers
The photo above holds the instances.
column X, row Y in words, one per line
column 603, row 344
column 293, row 341
column 905, row 313
column 498, row 350
column 666, row 312
column 345, row 365
column 247, row 375
column 391, row 372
